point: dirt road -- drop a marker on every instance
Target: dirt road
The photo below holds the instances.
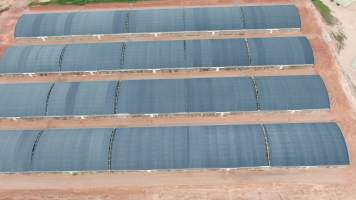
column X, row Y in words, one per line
column 312, row 183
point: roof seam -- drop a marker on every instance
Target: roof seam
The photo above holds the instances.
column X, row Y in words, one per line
column 116, row 98
column 257, row 92
column 243, row 19
column 47, row 98
column 127, row 22
column 112, row 137
column 60, row 62
column 268, row 155
column 34, row 147
column 249, row 55
column 122, row 56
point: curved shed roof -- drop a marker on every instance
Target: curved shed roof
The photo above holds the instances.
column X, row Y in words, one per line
column 158, row 20
column 223, row 146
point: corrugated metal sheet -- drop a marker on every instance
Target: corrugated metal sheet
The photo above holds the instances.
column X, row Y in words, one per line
column 18, row 100
column 72, row 150
column 162, row 20
column 306, row 145
column 189, row 147
column 164, row 96
column 23, row 59
column 84, row 98
column 16, row 150
column 92, row 57
column 292, row 93
column 187, row 95
column 257, row 52
column 223, row 146
column 280, row 51
column 271, row 17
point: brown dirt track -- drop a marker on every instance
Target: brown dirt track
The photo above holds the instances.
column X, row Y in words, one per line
column 313, row 183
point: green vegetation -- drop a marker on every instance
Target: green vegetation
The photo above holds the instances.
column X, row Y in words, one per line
column 325, row 12
column 79, row 2
column 340, row 38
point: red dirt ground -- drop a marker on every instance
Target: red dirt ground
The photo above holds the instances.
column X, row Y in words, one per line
column 312, row 183
column 121, row 121
column 117, row 75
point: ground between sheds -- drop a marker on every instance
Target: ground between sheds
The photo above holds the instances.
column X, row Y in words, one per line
column 316, row 183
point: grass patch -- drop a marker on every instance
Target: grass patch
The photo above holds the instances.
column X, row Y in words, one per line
column 340, row 38
column 79, row 2
column 325, row 12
